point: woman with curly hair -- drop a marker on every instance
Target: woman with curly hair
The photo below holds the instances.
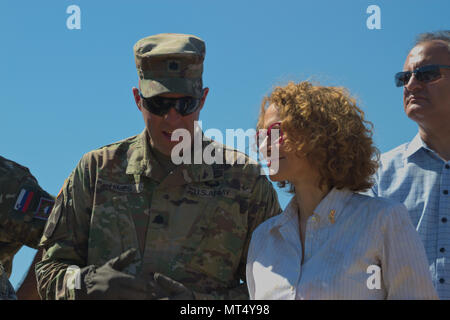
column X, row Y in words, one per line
column 330, row 242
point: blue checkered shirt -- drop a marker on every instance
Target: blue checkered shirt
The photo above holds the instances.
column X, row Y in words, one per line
column 416, row 176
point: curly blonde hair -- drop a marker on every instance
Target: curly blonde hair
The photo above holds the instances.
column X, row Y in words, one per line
column 325, row 125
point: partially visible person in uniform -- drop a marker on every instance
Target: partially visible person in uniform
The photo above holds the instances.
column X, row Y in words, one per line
column 330, row 242
column 131, row 224
column 417, row 173
column 24, row 209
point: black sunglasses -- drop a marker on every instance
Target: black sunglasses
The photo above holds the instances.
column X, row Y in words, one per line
column 424, row 74
column 161, row 105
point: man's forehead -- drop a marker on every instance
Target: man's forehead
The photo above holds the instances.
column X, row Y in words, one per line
column 431, row 52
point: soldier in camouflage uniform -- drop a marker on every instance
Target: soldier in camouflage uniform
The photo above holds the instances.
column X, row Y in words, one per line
column 24, row 209
column 130, row 224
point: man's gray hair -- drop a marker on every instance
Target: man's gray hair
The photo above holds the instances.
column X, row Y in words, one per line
column 443, row 35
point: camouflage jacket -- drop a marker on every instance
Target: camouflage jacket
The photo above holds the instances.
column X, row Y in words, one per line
column 24, row 209
column 193, row 224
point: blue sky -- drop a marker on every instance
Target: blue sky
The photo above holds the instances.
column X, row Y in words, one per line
column 65, row 92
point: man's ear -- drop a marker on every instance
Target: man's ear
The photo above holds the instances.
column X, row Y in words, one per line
column 205, row 93
column 137, row 97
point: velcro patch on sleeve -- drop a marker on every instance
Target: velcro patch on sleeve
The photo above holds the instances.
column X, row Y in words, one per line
column 34, row 204
column 44, row 208
column 24, row 200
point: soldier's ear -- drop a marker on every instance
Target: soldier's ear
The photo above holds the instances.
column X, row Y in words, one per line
column 205, row 93
column 137, row 97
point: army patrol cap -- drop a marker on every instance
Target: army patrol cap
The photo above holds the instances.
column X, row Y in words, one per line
column 170, row 63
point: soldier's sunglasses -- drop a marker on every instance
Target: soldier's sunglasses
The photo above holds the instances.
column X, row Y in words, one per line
column 424, row 74
column 161, row 105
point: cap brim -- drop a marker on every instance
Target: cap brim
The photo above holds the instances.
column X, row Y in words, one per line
column 189, row 87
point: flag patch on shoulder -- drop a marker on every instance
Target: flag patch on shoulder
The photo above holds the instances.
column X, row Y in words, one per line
column 44, row 208
column 23, row 200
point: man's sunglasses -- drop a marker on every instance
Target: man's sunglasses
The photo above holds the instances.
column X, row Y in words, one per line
column 424, row 74
column 161, row 105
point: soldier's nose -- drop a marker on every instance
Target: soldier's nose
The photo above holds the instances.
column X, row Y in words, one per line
column 172, row 116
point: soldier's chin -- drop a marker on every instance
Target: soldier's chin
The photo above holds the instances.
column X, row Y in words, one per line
column 165, row 148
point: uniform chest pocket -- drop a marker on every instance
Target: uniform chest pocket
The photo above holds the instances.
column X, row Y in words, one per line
column 222, row 238
column 112, row 228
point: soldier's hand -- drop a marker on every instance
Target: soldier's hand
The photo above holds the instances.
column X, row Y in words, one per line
column 109, row 282
column 174, row 290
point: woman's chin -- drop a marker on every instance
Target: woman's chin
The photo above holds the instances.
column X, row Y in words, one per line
column 275, row 176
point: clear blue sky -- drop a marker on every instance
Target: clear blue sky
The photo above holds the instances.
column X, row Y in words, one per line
column 65, row 92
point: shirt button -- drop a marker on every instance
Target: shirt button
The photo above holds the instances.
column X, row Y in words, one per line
column 444, row 219
column 445, row 191
column 441, row 280
column 442, row 250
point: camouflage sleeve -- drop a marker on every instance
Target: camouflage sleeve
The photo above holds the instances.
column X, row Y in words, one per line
column 24, row 205
column 263, row 204
column 65, row 236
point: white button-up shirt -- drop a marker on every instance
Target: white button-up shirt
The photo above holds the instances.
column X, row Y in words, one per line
column 356, row 247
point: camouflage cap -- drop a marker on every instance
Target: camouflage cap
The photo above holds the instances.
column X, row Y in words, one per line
column 170, row 62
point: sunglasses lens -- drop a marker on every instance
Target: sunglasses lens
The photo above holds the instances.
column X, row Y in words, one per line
column 156, row 107
column 423, row 74
column 428, row 73
column 274, row 133
column 261, row 134
column 161, row 106
column 188, row 105
column 402, row 78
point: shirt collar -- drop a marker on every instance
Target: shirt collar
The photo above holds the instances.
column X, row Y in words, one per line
column 290, row 212
column 329, row 209
column 141, row 162
column 415, row 145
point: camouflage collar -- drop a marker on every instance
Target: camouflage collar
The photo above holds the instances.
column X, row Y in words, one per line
column 140, row 162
